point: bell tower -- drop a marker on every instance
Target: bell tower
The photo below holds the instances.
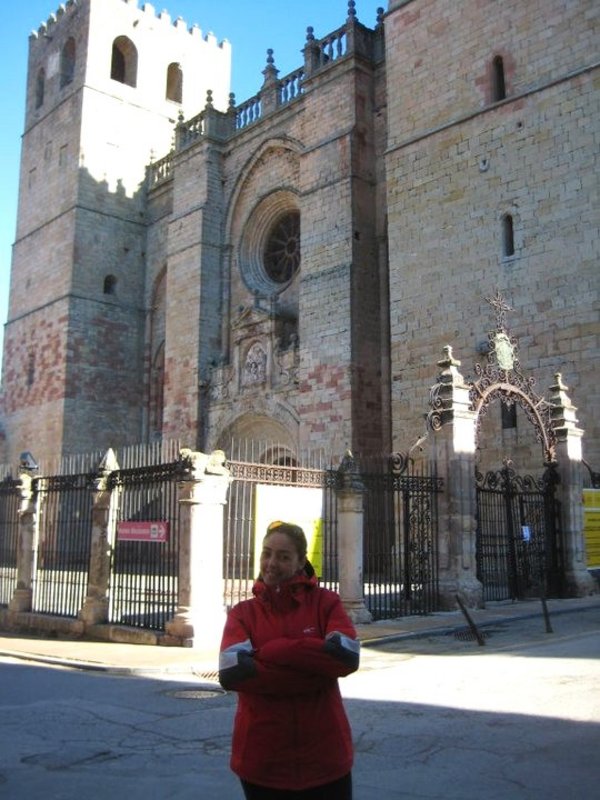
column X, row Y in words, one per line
column 107, row 82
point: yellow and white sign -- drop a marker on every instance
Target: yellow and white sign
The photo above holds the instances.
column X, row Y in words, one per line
column 591, row 526
column 302, row 506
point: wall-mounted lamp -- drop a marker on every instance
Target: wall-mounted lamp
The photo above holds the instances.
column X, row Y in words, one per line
column 28, row 462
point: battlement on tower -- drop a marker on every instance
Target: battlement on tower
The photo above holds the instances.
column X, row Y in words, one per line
column 46, row 28
column 144, row 15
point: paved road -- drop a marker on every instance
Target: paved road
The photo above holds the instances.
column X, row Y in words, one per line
column 517, row 718
column 433, row 718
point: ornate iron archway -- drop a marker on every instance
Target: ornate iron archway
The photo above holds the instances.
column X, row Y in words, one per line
column 502, row 378
column 518, row 539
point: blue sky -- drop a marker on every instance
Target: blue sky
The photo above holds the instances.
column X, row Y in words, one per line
column 251, row 27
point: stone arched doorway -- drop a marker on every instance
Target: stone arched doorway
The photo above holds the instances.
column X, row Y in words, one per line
column 259, row 439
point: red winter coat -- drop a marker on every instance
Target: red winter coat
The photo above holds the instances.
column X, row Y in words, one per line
column 282, row 652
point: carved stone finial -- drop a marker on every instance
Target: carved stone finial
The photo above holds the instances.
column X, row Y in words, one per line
column 380, row 16
column 559, row 397
column 209, row 98
column 197, row 464
column 563, row 412
column 310, row 34
column 347, row 463
column 559, row 382
column 216, row 463
column 109, row 462
column 231, row 100
column 448, row 360
column 351, row 10
column 270, row 71
column 349, row 473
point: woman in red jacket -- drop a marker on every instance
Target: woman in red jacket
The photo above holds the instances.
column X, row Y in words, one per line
column 283, row 652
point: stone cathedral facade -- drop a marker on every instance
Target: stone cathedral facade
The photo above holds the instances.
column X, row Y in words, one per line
column 290, row 268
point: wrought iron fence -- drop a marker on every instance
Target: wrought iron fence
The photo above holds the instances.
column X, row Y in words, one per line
column 144, row 575
column 9, row 537
column 400, row 537
column 269, row 481
column 63, row 551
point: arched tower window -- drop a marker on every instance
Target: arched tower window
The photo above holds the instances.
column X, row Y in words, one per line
column 110, row 284
column 498, row 81
column 67, row 63
column 40, row 87
column 174, row 83
column 123, row 66
column 508, row 236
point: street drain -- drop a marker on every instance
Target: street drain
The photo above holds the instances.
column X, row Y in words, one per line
column 202, row 692
column 208, row 676
column 468, row 635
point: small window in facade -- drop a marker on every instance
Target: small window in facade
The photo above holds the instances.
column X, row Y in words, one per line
column 174, row 83
column 282, row 250
column 40, row 87
column 110, row 284
column 509, row 416
column 508, row 236
column 498, row 82
column 30, row 369
column 123, row 66
column 67, row 63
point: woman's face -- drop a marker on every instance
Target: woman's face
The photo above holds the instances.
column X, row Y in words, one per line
column 279, row 559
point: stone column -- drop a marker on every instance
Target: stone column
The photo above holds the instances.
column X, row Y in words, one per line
column 200, row 614
column 569, row 466
column 350, row 541
column 453, row 426
column 95, row 607
column 22, row 599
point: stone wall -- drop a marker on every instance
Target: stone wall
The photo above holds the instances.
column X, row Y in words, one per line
column 457, row 163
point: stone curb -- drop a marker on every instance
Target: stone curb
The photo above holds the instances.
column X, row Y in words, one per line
column 204, row 667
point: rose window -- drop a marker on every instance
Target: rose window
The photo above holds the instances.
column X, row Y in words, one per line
column 282, row 250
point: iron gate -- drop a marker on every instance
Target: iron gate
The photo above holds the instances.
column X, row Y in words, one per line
column 241, row 526
column 144, row 574
column 401, row 537
column 519, row 545
column 63, row 549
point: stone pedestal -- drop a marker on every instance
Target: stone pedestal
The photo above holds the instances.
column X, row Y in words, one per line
column 578, row 581
column 22, row 598
column 200, row 614
column 350, row 542
column 95, row 606
column 453, row 425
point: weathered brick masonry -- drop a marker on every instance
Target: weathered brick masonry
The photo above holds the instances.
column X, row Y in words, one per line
column 446, row 153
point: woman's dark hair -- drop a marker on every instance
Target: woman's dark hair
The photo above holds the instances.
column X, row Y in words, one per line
column 296, row 534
